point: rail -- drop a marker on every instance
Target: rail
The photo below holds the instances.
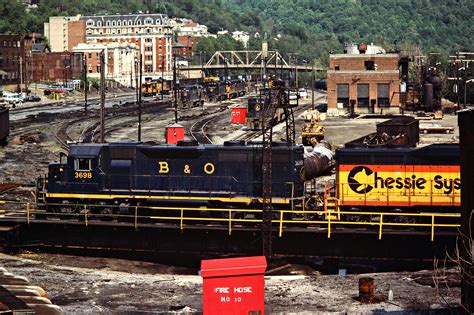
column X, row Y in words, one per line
column 232, row 218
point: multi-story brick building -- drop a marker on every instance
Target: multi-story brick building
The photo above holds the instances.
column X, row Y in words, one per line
column 152, row 33
column 368, row 82
column 56, row 66
column 64, row 32
column 16, row 59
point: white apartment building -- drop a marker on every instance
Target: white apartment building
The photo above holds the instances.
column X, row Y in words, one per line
column 120, row 61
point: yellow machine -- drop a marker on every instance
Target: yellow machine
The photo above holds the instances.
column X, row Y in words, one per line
column 312, row 133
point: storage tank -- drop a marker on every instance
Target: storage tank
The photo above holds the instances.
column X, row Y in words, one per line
column 428, row 95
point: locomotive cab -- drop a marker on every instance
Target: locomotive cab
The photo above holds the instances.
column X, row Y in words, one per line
column 80, row 171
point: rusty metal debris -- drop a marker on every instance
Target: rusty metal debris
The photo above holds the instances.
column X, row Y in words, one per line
column 379, row 139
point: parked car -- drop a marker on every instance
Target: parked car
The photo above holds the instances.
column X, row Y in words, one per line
column 12, row 99
column 32, row 98
column 303, row 93
column 321, row 107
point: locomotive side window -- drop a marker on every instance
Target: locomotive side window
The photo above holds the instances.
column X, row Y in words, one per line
column 82, row 164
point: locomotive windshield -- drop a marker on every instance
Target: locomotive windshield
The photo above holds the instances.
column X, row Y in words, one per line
column 82, row 164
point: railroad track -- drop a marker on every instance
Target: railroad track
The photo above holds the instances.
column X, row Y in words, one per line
column 198, row 130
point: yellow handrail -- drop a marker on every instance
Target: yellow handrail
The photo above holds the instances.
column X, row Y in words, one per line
column 182, row 215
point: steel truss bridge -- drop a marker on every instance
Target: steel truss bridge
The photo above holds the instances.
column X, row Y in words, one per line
column 249, row 59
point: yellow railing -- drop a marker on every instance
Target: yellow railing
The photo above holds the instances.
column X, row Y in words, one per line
column 283, row 219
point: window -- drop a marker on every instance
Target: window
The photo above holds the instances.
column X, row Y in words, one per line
column 90, row 23
column 148, row 30
column 148, row 21
column 139, row 22
column 383, row 95
column 130, row 22
column 362, row 95
column 107, row 23
column 89, row 55
column 148, row 57
column 4, row 43
column 82, row 164
column 113, row 23
column 148, row 40
column 342, row 94
column 119, row 23
column 369, row 65
column 99, row 23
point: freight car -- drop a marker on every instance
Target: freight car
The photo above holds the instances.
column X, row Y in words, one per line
column 427, row 178
column 4, row 125
column 190, row 96
column 187, row 173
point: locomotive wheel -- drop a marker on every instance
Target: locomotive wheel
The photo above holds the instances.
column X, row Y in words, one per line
column 67, row 210
column 102, row 211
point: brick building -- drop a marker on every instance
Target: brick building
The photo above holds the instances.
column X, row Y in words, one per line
column 64, row 32
column 16, row 59
column 371, row 82
column 56, row 66
column 152, row 33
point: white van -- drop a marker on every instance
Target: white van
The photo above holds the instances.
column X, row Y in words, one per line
column 12, row 99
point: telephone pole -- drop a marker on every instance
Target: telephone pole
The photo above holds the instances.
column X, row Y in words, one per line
column 175, row 90
column 102, row 96
column 140, row 102
column 86, row 84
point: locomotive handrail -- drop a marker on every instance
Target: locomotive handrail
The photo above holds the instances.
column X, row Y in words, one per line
column 285, row 219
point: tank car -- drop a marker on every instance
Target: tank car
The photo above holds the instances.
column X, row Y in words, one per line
column 186, row 173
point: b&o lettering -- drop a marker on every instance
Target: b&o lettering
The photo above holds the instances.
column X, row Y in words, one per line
column 209, row 168
column 164, row 168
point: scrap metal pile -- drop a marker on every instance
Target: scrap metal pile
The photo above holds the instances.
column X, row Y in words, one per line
column 381, row 139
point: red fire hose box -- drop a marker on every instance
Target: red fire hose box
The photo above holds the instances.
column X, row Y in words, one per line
column 233, row 285
column 238, row 115
column 174, row 133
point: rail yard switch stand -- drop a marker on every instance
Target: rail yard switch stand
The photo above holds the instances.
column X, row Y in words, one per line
column 233, row 285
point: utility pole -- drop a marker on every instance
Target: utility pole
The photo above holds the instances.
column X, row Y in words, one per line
column 162, row 78
column 86, row 84
column 21, row 74
column 136, row 80
column 312, row 86
column 102, row 96
column 140, row 102
column 466, row 65
column 175, row 90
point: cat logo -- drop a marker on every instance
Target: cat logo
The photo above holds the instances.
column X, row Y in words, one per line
column 358, row 179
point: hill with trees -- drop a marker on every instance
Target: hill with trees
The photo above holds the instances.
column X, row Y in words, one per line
column 311, row 28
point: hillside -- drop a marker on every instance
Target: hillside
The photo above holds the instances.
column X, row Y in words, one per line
column 310, row 27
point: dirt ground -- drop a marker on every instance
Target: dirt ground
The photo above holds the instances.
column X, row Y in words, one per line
column 104, row 286
column 98, row 285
